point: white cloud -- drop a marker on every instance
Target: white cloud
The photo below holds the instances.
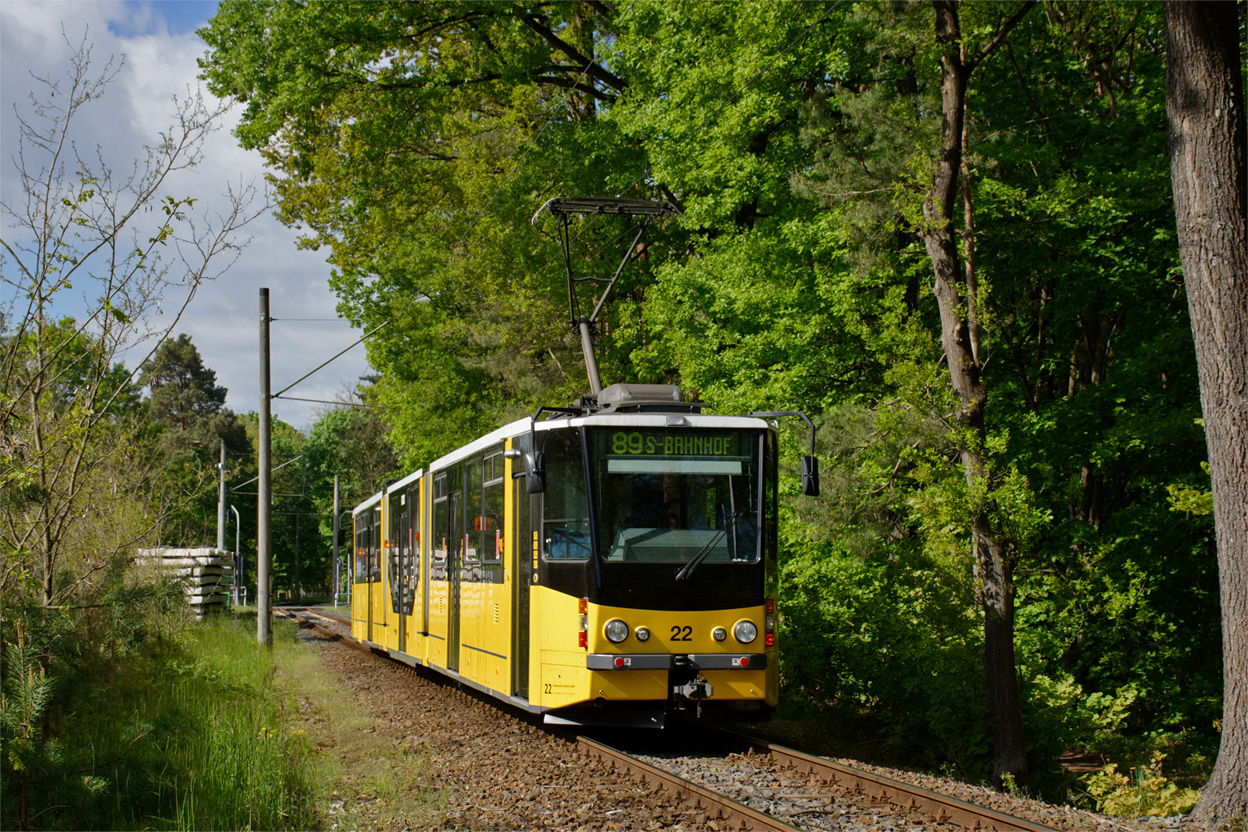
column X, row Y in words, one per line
column 160, row 52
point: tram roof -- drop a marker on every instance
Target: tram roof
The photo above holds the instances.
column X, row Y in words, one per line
column 367, row 504
column 410, row 478
column 638, row 420
column 676, row 421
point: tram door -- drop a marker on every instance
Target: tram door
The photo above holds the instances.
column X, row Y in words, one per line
column 374, row 571
column 400, row 588
column 426, row 544
column 522, row 534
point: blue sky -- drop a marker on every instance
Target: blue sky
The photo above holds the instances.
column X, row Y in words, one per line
column 179, row 17
column 160, row 48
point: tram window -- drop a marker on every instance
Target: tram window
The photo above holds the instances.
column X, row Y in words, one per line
column 669, row 497
column 412, row 539
column 490, row 521
column 399, row 555
column 441, row 523
column 455, row 531
column 472, row 490
column 565, row 521
column 361, row 550
column 377, row 538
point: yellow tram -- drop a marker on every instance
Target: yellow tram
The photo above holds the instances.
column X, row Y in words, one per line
column 611, row 565
column 615, row 564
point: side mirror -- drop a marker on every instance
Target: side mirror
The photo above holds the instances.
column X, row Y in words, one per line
column 810, row 464
column 810, row 476
column 535, row 472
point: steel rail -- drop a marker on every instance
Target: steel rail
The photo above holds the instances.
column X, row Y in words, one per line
column 332, row 616
column 716, row 806
column 303, row 616
column 942, row 808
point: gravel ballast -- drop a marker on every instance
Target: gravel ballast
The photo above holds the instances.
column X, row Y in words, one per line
column 486, row 768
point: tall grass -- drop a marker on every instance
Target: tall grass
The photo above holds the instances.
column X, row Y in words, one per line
column 246, row 763
column 187, row 732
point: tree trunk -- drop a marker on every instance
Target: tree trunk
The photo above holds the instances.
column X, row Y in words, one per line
column 992, row 556
column 1208, row 146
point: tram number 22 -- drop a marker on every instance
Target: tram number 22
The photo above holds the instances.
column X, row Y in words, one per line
column 682, row 633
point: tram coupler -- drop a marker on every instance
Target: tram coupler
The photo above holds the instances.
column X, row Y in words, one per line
column 696, row 690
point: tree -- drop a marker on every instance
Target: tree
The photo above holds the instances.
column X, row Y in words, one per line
column 415, row 141
column 1059, row 232
column 188, row 423
column 802, row 140
column 349, row 441
column 180, row 388
column 1209, row 161
column 994, row 552
column 61, row 389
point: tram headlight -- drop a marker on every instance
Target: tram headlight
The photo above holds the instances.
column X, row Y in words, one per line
column 745, row 631
column 719, row 634
column 643, row 634
column 615, row 630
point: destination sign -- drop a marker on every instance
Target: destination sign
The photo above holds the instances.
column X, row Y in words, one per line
column 673, row 444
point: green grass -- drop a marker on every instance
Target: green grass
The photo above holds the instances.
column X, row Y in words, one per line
column 247, row 764
column 370, row 779
column 189, row 731
column 193, row 726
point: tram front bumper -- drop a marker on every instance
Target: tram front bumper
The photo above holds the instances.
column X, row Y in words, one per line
column 710, row 677
column 667, row 661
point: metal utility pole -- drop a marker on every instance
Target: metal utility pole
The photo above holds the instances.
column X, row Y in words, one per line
column 264, row 499
column 298, row 586
column 221, row 500
column 240, row 593
column 337, row 526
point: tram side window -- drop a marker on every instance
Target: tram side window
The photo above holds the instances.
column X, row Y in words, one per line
column 441, row 528
column 472, row 493
column 411, row 540
column 398, row 554
column 491, row 518
column 565, row 517
column 361, row 550
column 374, row 548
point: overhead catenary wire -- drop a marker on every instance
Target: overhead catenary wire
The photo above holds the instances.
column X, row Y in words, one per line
column 337, row 402
column 384, row 323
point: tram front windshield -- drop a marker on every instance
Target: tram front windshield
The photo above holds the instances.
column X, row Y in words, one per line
column 676, row 496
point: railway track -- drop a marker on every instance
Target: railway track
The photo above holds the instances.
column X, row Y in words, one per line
column 785, row 789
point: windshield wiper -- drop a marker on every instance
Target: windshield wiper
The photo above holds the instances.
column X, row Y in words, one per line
column 694, row 562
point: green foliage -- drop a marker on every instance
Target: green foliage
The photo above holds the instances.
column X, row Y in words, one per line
column 352, row 443
column 402, row 153
column 886, row 643
column 81, row 483
column 301, row 556
column 1094, row 721
column 27, row 691
column 416, row 140
column 1189, row 498
column 1146, row 792
column 180, row 388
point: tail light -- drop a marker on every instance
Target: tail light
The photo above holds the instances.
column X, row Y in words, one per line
column 582, row 609
column 769, row 624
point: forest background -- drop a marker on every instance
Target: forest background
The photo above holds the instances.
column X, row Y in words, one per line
column 414, row 142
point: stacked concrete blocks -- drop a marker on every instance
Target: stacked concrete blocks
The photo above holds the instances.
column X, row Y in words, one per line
column 206, row 574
